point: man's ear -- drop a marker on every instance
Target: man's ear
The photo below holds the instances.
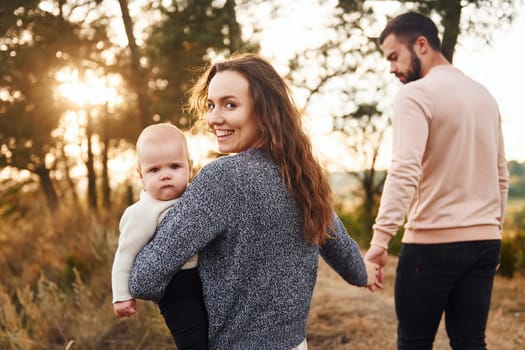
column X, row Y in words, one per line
column 421, row 45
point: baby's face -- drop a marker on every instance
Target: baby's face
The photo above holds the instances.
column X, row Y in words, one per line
column 164, row 168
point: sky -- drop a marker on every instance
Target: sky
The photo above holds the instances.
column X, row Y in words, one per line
column 499, row 67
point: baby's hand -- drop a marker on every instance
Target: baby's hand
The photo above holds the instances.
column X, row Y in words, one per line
column 125, row 308
column 371, row 270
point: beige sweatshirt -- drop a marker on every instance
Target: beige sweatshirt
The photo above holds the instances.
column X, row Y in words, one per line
column 448, row 175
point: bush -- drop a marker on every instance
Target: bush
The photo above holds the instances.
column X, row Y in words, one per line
column 362, row 235
column 512, row 255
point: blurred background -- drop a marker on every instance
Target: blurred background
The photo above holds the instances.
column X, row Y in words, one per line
column 79, row 79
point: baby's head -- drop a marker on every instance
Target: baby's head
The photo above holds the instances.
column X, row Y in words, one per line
column 164, row 162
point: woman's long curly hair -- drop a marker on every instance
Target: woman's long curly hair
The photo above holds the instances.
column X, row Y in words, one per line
column 283, row 136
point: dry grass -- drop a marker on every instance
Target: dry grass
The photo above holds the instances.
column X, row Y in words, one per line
column 55, row 294
column 344, row 317
column 55, row 290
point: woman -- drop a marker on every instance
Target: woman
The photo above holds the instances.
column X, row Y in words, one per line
column 258, row 218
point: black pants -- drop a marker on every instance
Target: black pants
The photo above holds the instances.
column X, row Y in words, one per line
column 182, row 307
column 454, row 278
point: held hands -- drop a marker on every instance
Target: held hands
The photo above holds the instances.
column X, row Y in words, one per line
column 371, row 271
column 375, row 261
column 125, row 308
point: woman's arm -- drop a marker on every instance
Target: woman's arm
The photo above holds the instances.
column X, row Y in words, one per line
column 189, row 226
column 342, row 253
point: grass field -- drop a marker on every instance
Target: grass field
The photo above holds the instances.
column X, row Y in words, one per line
column 55, row 294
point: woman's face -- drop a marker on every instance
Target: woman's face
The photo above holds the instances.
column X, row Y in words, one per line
column 231, row 114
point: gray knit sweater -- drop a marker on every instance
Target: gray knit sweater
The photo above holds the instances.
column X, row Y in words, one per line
column 257, row 270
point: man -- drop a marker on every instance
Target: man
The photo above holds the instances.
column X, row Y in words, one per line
column 449, row 178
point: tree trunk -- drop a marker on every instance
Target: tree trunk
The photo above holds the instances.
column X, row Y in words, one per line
column 92, row 180
column 47, row 187
column 451, row 18
column 67, row 174
column 370, row 199
column 106, row 190
column 139, row 82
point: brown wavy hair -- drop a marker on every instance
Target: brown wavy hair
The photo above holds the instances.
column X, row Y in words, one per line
column 283, row 136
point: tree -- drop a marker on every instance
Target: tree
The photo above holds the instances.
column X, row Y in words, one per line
column 367, row 136
column 482, row 17
column 350, row 87
column 38, row 40
column 346, row 86
column 36, row 44
column 138, row 75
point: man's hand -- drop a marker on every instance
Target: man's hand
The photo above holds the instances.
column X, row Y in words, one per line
column 125, row 308
column 371, row 271
column 376, row 257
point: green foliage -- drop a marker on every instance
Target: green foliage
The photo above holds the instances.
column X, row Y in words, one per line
column 512, row 255
column 354, row 225
column 355, row 229
column 395, row 244
column 517, row 179
column 513, row 244
column 516, row 168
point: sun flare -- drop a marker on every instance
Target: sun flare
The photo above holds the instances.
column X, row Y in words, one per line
column 90, row 89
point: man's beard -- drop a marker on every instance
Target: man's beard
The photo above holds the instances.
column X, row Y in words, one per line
column 415, row 68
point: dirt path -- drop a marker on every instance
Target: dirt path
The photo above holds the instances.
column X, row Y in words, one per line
column 346, row 317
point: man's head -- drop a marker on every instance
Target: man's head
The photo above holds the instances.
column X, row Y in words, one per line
column 409, row 42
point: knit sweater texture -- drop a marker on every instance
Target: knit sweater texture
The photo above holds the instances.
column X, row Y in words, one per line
column 448, row 175
column 258, row 271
